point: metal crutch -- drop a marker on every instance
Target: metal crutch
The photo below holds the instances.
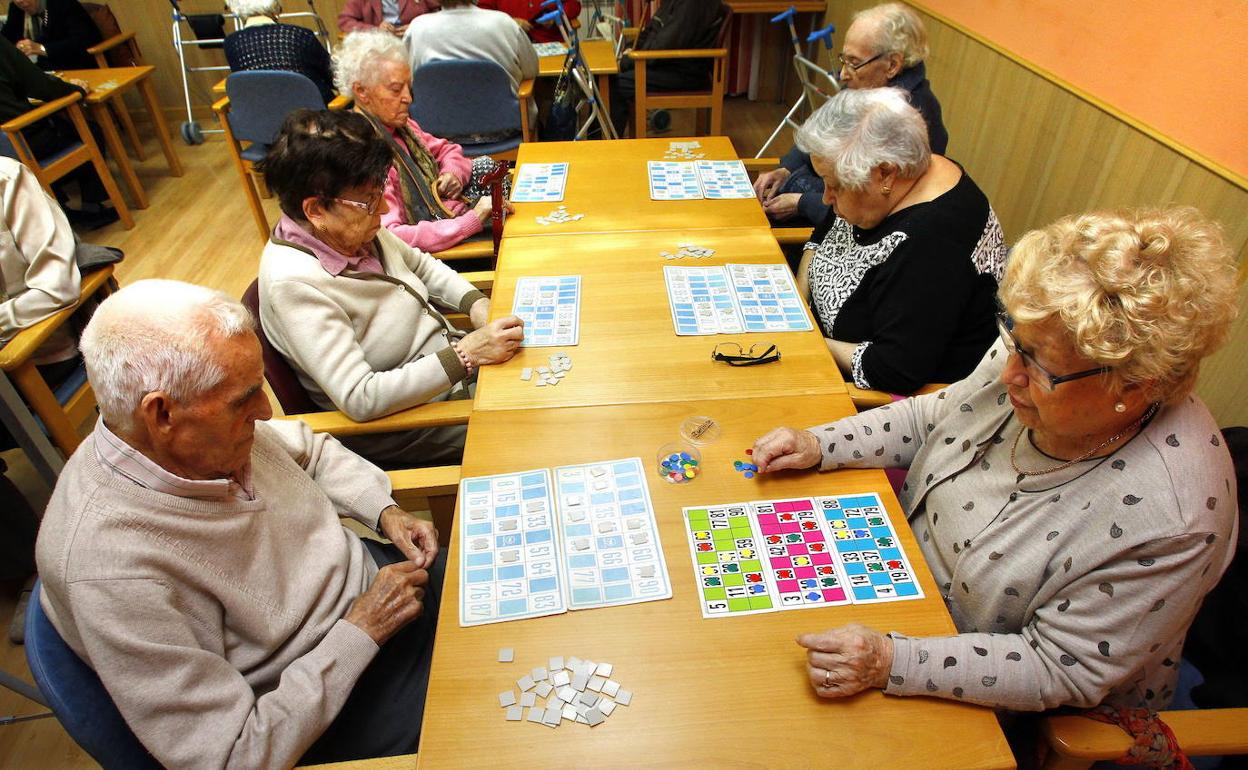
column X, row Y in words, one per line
column 813, row 77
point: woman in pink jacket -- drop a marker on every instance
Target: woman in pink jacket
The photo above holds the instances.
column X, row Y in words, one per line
column 391, row 16
column 430, row 191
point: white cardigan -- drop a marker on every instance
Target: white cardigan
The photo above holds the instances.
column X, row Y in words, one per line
column 365, row 344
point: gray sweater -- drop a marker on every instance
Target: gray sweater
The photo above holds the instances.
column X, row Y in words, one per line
column 216, row 625
column 1068, row 589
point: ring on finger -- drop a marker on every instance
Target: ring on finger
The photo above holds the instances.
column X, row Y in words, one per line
column 827, row 678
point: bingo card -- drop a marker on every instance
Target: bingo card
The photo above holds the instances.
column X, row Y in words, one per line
column 550, row 307
column 876, row 567
column 724, row 179
column 702, row 301
column 673, row 181
column 510, row 562
column 768, row 299
column 773, row 555
column 549, row 49
column 540, row 182
column 610, row 540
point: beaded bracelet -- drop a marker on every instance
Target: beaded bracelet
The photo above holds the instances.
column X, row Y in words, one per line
column 463, row 357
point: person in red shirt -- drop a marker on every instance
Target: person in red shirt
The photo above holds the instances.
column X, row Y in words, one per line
column 525, row 12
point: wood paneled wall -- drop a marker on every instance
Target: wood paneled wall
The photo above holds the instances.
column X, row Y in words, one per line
column 1041, row 151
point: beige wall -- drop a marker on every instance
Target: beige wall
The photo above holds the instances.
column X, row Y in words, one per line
column 1040, row 152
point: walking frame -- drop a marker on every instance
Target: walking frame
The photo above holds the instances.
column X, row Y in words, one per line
column 817, row 82
column 191, row 131
column 580, row 72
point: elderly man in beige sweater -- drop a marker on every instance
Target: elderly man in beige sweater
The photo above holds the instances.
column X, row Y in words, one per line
column 192, row 554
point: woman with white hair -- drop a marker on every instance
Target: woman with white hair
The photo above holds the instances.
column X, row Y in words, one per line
column 264, row 43
column 884, row 46
column 433, row 192
column 902, row 276
column 1074, row 501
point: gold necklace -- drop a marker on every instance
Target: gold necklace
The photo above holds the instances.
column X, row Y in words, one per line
column 1014, row 449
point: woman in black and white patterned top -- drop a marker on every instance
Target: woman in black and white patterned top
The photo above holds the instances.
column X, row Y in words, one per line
column 902, row 273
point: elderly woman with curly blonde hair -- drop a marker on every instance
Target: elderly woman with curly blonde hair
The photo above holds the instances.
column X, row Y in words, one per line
column 1072, row 498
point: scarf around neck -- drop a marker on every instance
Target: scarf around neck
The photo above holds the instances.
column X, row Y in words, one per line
column 418, row 172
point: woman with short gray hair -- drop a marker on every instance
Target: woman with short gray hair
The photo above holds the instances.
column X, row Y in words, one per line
column 901, row 277
column 264, row 43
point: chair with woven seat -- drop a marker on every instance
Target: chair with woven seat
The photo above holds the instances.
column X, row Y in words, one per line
column 255, row 105
column 711, row 100
column 53, row 167
column 444, row 108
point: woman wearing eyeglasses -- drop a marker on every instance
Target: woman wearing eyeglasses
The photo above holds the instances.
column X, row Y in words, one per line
column 885, row 46
column 433, row 191
column 901, row 278
column 356, row 311
column 1072, row 498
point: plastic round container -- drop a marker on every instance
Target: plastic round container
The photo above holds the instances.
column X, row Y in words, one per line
column 678, row 462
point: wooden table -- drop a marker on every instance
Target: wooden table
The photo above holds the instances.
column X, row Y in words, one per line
column 110, row 83
column 629, row 351
column 609, row 184
column 599, row 57
column 727, row 692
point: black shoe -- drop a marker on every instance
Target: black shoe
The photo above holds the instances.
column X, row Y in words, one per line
column 91, row 220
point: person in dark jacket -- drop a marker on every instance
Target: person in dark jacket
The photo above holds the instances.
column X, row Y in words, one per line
column 21, row 81
column 884, row 46
column 56, row 32
column 264, row 43
column 677, row 24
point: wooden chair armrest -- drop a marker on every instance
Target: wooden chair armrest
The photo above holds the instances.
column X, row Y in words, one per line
column 340, row 102
column 483, row 280
column 111, row 43
column 40, row 112
column 466, row 250
column 222, row 105
column 435, row 414
column 870, row 399
column 27, row 341
column 404, row 762
column 1201, row 732
column 630, row 33
column 218, row 87
column 760, row 164
column 438, row 481
column 680, row 53
column 525, row 91
column 790, row 236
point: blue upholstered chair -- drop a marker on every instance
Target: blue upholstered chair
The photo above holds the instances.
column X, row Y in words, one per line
column 77, row 696
column 256, row 103
column 471, row 103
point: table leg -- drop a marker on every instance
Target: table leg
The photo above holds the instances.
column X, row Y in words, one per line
column 113, row 141
column 158, row 120
column 604, row 90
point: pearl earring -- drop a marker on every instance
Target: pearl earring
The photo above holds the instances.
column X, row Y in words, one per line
column 886, row 190
column 1120, row 407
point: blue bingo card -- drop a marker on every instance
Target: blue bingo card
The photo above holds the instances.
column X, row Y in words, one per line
column 724, row 179
column 866, row 545
column 540, row 182
column 702, row 301
column 673, row 181
column 610, row 540
column 768, row 299
column 550, row 307
column 509, row 553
